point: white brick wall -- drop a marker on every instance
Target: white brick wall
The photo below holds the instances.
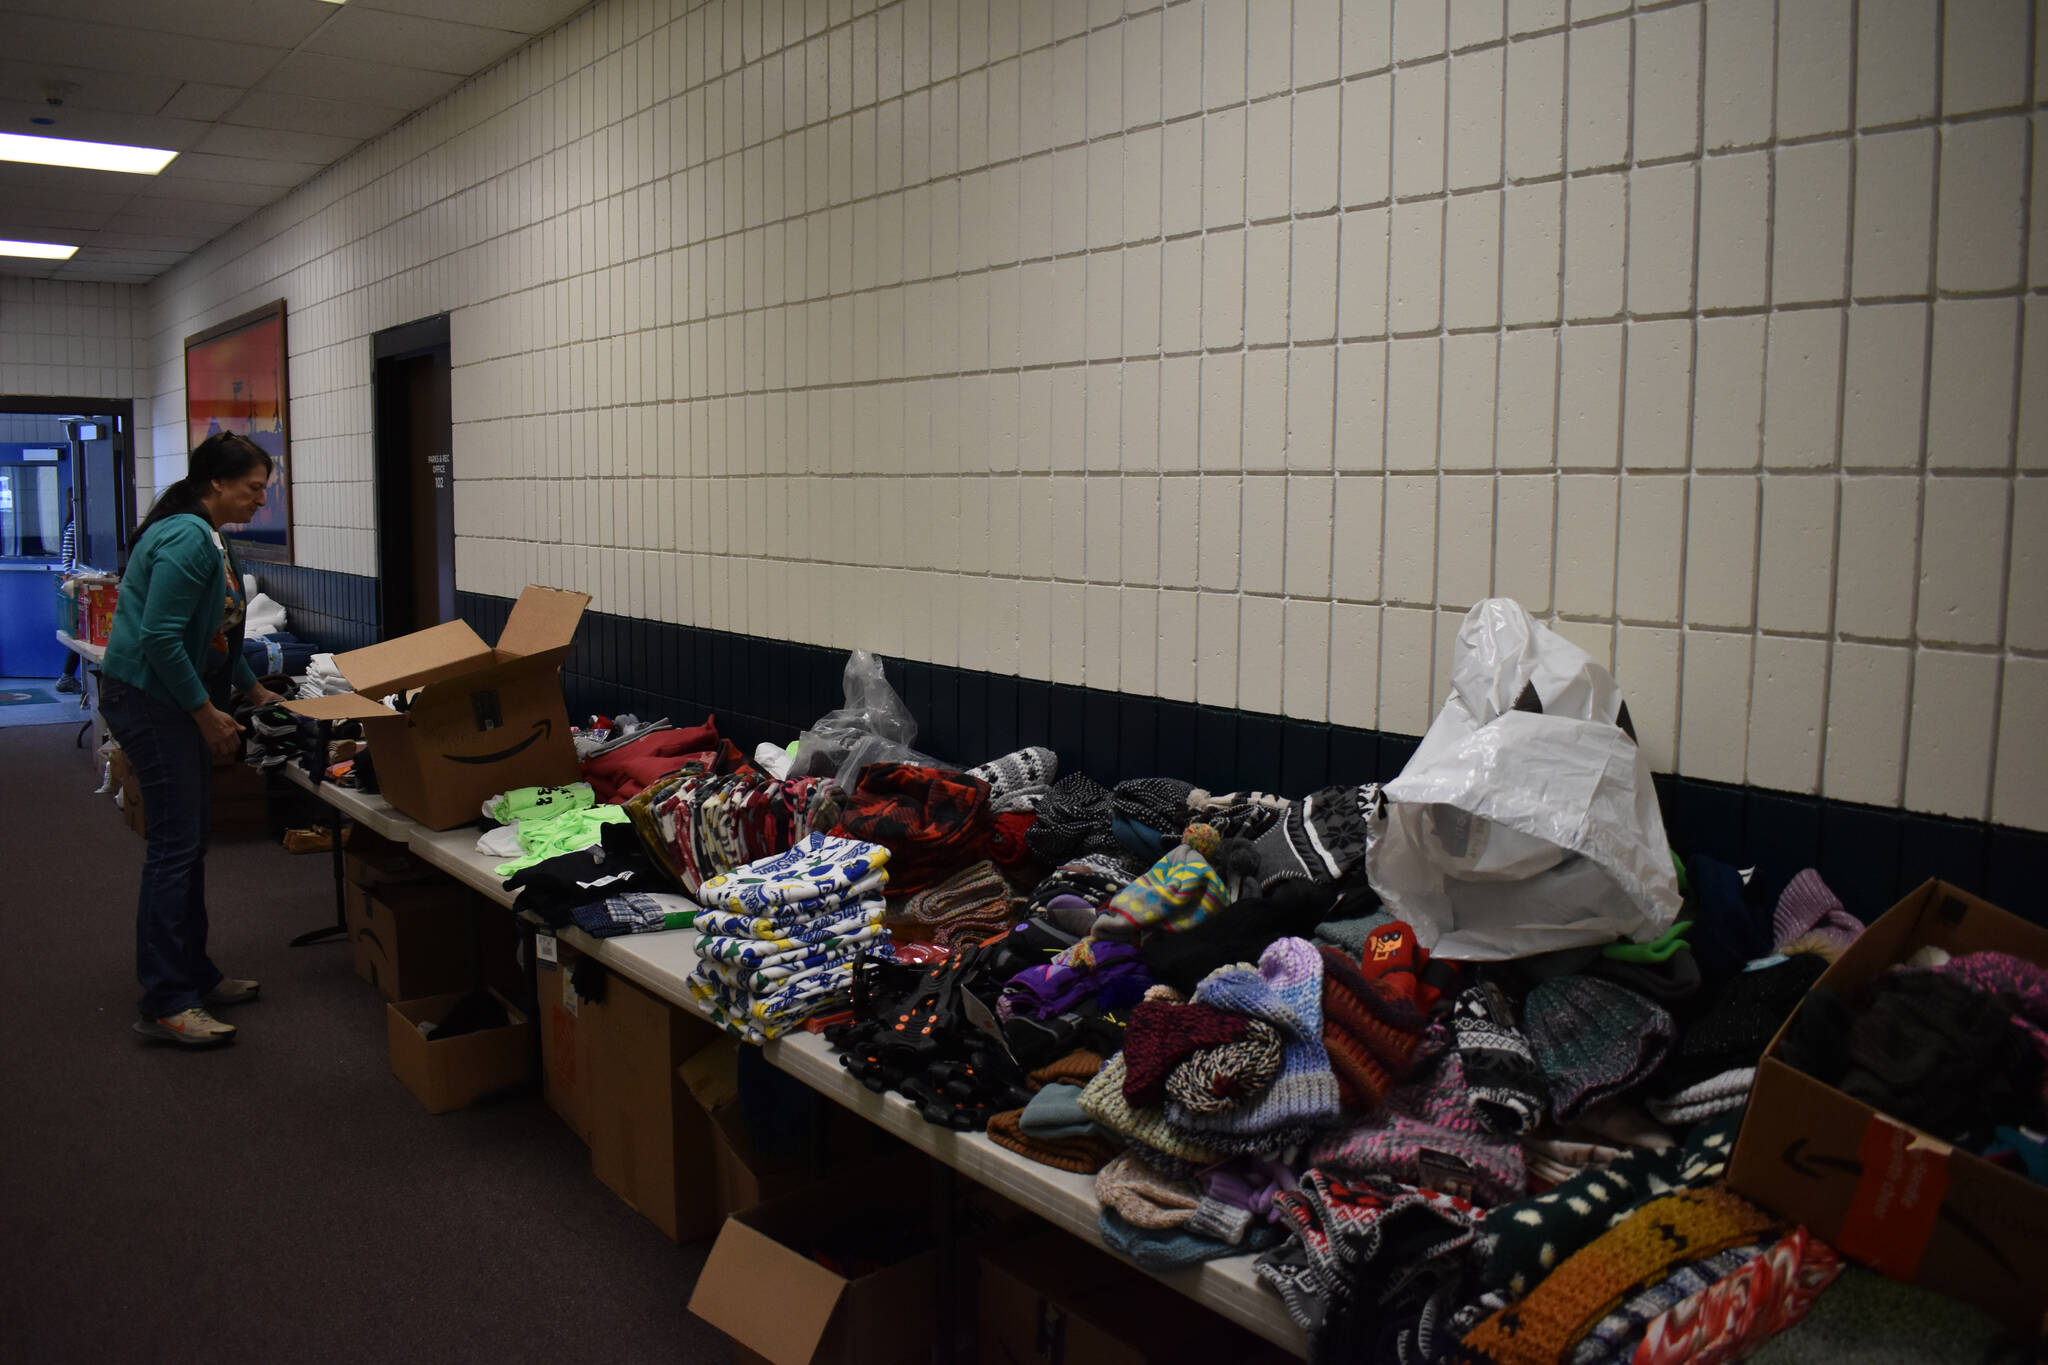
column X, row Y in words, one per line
column 1227, row 349
column 60, row 339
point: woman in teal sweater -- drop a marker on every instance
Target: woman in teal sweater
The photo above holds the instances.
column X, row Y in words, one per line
column 173, row 663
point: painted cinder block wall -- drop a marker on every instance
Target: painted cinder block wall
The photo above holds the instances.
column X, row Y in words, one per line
column 1228, row 350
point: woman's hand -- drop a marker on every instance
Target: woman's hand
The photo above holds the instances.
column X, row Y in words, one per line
column 219, row 730
column 259, row 695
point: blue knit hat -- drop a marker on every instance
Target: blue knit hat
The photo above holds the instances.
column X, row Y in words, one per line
column 1286, row 991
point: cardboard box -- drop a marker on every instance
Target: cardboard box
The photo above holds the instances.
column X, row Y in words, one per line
column 746, row 1176
column 1051, row 1299
column 240, row 805
column 479, row 720
column 1879, row 1190
column 370, row 859
column 650, row 1142
column 128, row 791
column 564, row 1042
column 454, row 1073
column 774, row 1300
column 411, row 941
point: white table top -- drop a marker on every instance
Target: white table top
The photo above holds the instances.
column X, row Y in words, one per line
column 91, row 653
column 661, row 963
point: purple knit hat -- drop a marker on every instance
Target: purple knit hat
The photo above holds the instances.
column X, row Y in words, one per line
column 1425, row 1134
column 1806, row 906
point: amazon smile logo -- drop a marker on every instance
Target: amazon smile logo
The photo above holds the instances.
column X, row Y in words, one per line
column 541, row 730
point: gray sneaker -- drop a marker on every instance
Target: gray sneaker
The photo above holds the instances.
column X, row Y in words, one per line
column 188, row 1028
column 70, row 685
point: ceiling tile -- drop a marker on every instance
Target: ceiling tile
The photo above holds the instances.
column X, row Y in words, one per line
column 523, row 16
column 305, row 114
column 343, row 78
column 246, row 170
column 64, row 185
column 272, row 23
column 125, row 93
column 97, row 126
column 214, row 191
column 198, row 100
column 99, row 47
column 187, row 210
column 426, row 44
column 276, row 144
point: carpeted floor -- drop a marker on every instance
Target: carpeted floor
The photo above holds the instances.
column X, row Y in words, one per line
column 285, row 1198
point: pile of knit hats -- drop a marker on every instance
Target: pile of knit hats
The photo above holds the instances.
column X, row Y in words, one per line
column 1285, row 993
column 1164, row 1222
column 932, row 822
column 1426, row 1134
column 1366, row 1259
column 1320, row 838
column 1375, row 1016
column 1018, row 780
column 1052, row 1129
column 1177, row 893
column 778, row 937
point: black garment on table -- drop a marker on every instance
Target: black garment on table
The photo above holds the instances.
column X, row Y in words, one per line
column 618, row 865
column 1736, row 1021
column 1246, row 928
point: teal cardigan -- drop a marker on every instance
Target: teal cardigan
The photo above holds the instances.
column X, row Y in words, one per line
column 173, row 597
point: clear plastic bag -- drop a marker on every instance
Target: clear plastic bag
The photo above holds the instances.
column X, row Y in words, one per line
column 873, row 727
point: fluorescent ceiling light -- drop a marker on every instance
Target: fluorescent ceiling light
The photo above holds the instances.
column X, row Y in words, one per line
column 91, row 156
column 45, row 251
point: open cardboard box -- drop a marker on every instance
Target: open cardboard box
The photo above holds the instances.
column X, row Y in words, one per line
column 479, row 721
column 1884, row 1192
column 1051, row 1299
column 778, row 1303
column 746, row 1175
column 454, row 1073
column 650, row 1143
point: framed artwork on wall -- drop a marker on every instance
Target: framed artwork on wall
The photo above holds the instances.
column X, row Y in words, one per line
column 235, row 380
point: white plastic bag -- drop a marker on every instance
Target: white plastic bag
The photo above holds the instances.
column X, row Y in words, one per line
column 1526, row 821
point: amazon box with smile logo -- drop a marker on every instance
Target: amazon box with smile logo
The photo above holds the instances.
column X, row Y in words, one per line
column 469, row 721
column 1878, row 1189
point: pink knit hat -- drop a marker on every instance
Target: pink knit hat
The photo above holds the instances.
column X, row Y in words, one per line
column 1807, row 908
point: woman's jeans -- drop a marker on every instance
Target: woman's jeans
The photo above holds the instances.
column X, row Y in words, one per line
column 175, row 770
